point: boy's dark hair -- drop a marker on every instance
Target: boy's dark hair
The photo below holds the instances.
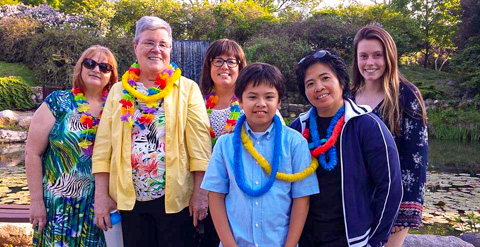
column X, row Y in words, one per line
column 258, row 73
column 333, row 60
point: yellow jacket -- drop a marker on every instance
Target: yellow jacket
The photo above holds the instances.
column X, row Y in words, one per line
column 188, row 146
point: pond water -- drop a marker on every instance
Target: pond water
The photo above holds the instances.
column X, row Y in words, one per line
column 453, row 184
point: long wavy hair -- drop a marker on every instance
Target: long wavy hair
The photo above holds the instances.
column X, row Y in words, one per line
column 390, row 108
column 218, row 48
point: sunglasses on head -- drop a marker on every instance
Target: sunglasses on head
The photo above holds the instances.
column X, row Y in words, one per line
column 91, row 64
column 318, row 54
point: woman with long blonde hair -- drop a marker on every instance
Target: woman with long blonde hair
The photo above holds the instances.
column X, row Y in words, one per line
column 377, row 82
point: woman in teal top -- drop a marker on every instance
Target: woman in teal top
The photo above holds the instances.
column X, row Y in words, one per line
column 58, row 155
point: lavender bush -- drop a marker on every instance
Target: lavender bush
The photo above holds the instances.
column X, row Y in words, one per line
column 44, row 14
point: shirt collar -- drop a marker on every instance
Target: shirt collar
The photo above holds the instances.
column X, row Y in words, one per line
column 266, row 134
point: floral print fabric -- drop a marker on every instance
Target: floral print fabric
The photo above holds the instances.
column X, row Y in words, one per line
column 412, row 144
column 68, row 181
column 148, row 153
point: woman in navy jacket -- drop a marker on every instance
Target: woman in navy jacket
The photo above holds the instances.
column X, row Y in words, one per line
column 359, row 174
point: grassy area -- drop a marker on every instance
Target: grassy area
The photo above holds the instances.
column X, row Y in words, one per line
column 20, row 70
column 455, row 124
column 433, row 84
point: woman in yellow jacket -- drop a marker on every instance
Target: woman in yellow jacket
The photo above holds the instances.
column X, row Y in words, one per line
column 152, row 147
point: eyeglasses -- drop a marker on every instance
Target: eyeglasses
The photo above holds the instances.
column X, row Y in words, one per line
column 318, row 54
column 218, row 62
column 91, row 64
column 150, row 45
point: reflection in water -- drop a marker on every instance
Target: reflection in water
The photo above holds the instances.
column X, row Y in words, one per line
column 12, row 154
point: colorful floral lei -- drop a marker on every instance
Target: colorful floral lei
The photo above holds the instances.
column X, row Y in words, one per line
column 211, row 100
column 87, row 136
column 163, row 87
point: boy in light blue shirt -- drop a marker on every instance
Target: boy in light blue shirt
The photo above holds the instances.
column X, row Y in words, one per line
column 249, row 206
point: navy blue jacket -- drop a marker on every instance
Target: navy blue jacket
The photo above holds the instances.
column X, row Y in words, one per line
column 371, row 176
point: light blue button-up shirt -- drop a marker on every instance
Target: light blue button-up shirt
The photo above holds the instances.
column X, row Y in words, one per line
column 263, row 220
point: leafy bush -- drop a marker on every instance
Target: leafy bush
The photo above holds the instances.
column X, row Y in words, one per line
column 122, row 48
column 402, row 28
column 467, row 64
column 53, row 54
column 15, row 94
column 283, row 45
column 278, row 51
column 15, row 35
column 455, row 124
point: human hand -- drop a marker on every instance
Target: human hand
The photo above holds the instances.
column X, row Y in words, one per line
column 198, row 205
column 103, row 206
column 38, row 215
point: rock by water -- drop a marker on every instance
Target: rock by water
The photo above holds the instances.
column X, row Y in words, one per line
column 417, row 240
column 8, row 117
column 473, row 238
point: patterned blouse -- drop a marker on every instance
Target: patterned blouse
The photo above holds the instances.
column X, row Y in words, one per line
column 148, row 153
column 412, row 144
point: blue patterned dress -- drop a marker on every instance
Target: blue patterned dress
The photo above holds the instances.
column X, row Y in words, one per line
column 412, row 144
column 68, row 183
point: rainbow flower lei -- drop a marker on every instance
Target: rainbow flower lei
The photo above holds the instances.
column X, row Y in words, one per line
column 163, row 87
column 87, row 136
column 237, row 159
column 211, row 100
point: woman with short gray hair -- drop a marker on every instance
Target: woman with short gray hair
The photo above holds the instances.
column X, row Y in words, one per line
column 153, row 146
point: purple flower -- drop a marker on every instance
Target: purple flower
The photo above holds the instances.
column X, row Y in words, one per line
column 149, row 110
column 88, row 151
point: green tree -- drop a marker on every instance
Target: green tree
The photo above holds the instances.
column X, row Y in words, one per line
column 52, row 3
column 128, row 12
column 402, row 28
column 437, row 20
column 97, row 13
column 235, row 20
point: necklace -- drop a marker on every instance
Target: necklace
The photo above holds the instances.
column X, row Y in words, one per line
column 211, row 100
column 163, row 87
column 248, row 144
column 87, row 136
column 237, row 159
column 333, row 131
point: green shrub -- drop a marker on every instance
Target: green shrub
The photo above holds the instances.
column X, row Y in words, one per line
column 122, row 48
column 53, row 54
column 15, row 94
column 467, row 64
column 455, row 124
column 278, row 51
column 15, row 35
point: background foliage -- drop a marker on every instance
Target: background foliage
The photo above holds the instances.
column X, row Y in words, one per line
column 15, row 94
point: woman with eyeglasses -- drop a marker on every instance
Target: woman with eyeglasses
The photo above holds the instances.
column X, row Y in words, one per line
column 378, row 83
column 222, row 63
column 59, row 155
column 359, row 173
column 152, row 147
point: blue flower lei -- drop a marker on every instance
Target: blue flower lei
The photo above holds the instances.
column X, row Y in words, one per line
column 316, row 141
column 237, row 158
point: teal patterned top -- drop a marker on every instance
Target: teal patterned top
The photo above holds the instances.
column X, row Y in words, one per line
column 67, row 181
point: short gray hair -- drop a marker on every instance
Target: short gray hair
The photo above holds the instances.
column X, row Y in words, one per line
column 151, row 23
